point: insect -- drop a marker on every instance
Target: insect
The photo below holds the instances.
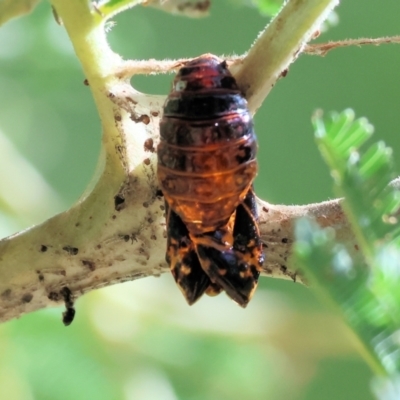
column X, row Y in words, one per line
column 206, row 168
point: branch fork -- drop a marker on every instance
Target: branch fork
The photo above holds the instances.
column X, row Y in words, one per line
column 116, row 231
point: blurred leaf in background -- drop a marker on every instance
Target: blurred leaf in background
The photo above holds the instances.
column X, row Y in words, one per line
column 362, row 282
column 268, row 7
column 140, row 340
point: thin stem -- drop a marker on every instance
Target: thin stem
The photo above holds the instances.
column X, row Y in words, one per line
column 152, row 67
column 322, row 49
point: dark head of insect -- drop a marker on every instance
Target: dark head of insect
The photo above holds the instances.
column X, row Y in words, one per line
column 206, row 167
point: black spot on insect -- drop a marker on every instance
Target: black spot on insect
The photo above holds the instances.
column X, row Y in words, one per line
column 119, row 202
column 245, row 154
column 43, row 248
column 228, row 82
column 69, row 313
column 73, row 251
column 41, row 278
column 159, row 193
column 27, row 298
column 206, row 167
column 86, row 82
column 283, row 268
column 285, row 240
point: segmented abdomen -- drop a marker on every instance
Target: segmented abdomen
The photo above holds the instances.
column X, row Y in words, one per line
column 206, row 156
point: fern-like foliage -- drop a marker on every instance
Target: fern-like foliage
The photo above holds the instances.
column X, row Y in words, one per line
column 366, row 292
column 361, row 177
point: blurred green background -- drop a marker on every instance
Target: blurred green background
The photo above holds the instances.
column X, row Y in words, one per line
column 140, row 340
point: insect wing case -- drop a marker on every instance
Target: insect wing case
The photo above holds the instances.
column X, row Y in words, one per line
column 206, row 166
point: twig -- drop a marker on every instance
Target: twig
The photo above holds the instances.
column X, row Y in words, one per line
column 116, row 232
column 323, row 48
column 153, row 67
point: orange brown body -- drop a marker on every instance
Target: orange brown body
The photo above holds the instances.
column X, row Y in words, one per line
column 206, row 167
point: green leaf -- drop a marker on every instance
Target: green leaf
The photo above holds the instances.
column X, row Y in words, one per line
column 368, row 308
column 363, row 179
column 386, row 389
column 366, row 293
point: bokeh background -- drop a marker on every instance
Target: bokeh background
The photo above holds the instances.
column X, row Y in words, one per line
column 139, row 340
